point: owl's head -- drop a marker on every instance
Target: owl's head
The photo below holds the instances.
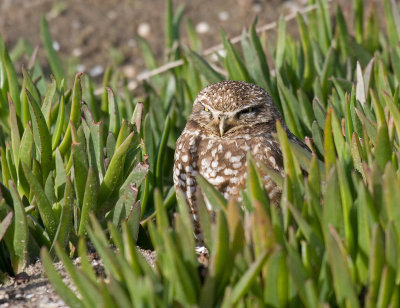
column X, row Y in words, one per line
column 234, row 108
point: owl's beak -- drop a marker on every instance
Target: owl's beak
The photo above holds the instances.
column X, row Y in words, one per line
column 222, row 125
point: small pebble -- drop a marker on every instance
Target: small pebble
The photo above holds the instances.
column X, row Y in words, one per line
column 21, row 278
column 132, row 85
column 144, row 29
column 129, row 71
column 221, row 53
column 50, row 305
column 77, row 52
column 257, row 7
column 96, row 71
column 289, row 7
column 112, row 14
column 80, row 68
column 223, row 16
column 131, row 42
column 56, row 45
column 76, row 24
column 202, row 27
column 3, row 295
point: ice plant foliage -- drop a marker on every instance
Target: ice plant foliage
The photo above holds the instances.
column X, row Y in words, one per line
column 73, row 162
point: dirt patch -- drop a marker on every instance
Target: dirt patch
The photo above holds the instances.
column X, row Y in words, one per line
column 94, row 33
column 37, row 292
column 34, row 289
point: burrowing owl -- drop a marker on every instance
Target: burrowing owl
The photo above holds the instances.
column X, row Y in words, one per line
column 228, row 120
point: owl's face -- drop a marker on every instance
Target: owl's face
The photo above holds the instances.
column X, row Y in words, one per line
column 234, row 108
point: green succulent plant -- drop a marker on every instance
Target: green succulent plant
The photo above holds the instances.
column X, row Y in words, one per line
column 61, row 158
column 334, row 239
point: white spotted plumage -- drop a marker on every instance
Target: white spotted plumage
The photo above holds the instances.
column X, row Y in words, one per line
column 229, row 120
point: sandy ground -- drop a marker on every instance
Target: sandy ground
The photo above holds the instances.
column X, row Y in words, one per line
column 92, row 34
column 36, row 291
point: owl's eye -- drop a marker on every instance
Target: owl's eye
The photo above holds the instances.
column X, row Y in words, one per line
column 206, row 109
column 246, row 111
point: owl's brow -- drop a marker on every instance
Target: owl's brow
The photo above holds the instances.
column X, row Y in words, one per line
column 205, row 105
column 249, row 106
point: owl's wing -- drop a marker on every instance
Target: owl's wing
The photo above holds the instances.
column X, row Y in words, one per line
column 185, row 168
column 185, row 172
column 179, row 166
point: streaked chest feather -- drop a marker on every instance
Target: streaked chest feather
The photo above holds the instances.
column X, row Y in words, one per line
column 221, row 161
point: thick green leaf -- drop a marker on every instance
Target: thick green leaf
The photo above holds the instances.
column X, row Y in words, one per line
column 41, row 136
column 281, row 46
column 308, row 75
column 162, row 152
column 81, row 168
column 262, row 59
column 65, row 292
column 126, row 205
column 277, row 284
column 136, row 177
column 248, row 278
column 48, row 99
column 343, row 33
column 376, row 264
column 21, row 234
column 255, row 187
column 97, row 145
column 86, row 266
column 75, row 114
column 12, row 78
column 87, row 288
column 58, row 129
column 332, row 213
column 220, row 263
column 203, row 66
column 213, row 196
column 89, row 199
column 347, row 202
column 66, row 219
column 329, row 147
column 52, row 56
column 392, row 196
column 45, row 209
column 204, row 219
column 30, row 85
column 5, row 223
column 236, row 228
column 113, row 174
column 386, row 288
column 15, row 135
column 114, row 123
column 314, row 239
column 344, row 287
column 108, row 256
column 236, row 68
column 383, row 148
column 391, row 23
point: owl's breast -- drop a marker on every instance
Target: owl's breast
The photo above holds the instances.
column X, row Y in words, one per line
column 223, row 163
